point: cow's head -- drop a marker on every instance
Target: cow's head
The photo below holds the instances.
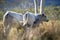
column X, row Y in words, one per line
column 42, row 17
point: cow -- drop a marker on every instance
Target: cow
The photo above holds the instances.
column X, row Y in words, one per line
column 30, row 19
column 9, row 18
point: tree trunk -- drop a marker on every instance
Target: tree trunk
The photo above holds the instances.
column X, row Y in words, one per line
column 42, row 2
column 36, row 6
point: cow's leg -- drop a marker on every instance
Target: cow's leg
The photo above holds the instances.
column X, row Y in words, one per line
column 10, row 23
column 5, row 28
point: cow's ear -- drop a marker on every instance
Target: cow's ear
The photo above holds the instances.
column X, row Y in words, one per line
column 42, row 14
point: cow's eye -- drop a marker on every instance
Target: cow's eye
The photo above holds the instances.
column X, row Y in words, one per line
column 45, row 16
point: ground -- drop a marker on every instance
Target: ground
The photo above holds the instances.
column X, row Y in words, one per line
column 46, row 31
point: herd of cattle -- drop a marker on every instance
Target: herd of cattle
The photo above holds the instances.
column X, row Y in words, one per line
column 28, row 19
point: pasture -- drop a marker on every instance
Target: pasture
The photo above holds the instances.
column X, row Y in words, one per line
column 46, row 31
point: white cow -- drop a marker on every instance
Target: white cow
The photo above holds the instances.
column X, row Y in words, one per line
column 10, row 17
column 30, row 19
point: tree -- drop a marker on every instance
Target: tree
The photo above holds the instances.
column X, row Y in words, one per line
column 42, row 2
column 36, row 6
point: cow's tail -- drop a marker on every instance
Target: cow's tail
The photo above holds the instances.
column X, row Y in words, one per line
column 5, row 16
column 5, row 22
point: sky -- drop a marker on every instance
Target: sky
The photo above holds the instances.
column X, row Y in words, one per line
column 23, row 4
column 48, row 2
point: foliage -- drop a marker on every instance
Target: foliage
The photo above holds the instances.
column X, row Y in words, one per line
column 46, row 31
column 1, row 14
column 53, row 12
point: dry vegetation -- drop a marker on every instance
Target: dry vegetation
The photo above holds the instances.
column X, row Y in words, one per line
column 46, row 31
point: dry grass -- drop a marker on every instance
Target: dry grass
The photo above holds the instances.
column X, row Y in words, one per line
column 1, row 30
column 46, row 31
